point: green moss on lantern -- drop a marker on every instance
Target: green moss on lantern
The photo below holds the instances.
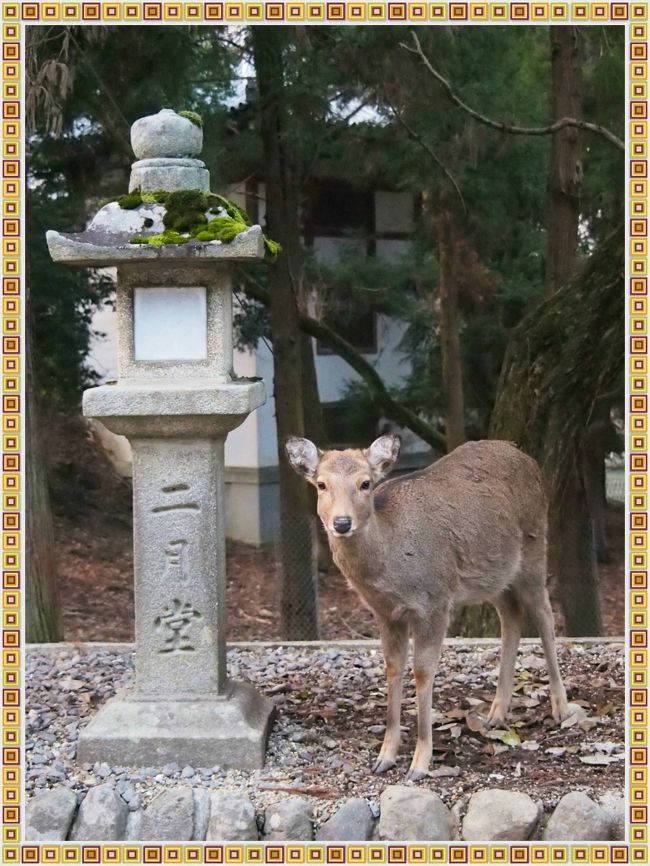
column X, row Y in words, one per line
column 188, row 216
column 130, row 200
column 192, row 116
column 164, row 238
column 218, row 202
column 185, row 211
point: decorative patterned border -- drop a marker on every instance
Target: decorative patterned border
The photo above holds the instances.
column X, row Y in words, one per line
column 16, row 16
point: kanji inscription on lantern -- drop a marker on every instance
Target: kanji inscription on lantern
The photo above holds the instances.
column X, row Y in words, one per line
column 174, row 626
column 176, row 566
column 187, row 505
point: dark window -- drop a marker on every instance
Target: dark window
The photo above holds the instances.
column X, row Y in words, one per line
column 360, row 331
column 334, row 207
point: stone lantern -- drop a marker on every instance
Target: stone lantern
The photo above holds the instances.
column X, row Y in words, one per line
column 176, row 399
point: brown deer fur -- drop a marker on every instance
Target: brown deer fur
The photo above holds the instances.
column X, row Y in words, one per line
column 472, row 527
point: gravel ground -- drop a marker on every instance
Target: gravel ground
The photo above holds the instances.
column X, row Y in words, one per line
column 329, row 726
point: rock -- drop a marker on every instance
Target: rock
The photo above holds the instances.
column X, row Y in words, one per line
column 49, row 815
column 201, row 813
column 232, row 818
column 577, row 819
column 102, row 770
column 413, row 814
column 165, row 134
column 353, row 822
column 614, row 806
column 101, row 817
column 289, row 820
column 169, row 816
column 187, row 772
column 134, row 826
column 495, row 815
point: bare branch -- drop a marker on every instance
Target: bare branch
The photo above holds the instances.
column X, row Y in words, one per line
column 418, row 138
column 551, row 129
column 395, row 410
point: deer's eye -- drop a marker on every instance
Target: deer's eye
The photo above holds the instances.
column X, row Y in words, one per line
column 365, row 485
column 321, row 485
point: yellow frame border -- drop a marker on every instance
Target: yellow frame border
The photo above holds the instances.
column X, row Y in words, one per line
column 16, row 17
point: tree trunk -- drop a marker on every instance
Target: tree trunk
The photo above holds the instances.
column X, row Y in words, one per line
column 571, row 557
column 299, row 599
column 475, row 620
column 565, row 356
column 452, row 371
column 596, row 441
column 42, row 607
column 314, row 430
column 565, row 171
column 314, row 426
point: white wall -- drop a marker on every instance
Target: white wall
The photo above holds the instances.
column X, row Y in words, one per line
column 254, row 443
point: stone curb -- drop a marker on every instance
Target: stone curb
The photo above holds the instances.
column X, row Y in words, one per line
column 406, row 813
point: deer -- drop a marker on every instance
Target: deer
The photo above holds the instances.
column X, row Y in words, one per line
column 470, row 528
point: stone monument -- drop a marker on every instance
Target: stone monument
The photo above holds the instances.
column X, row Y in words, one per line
column 176, row 399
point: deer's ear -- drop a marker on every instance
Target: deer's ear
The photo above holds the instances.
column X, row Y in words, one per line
column 382, row 454
column 303, row 455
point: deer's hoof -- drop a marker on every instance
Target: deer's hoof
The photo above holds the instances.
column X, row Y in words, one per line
column 414, row 775
column 382, row 766
column 560, row 710
column 497, row 716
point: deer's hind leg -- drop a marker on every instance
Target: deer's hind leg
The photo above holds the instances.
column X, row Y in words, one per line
column 510, row 613
column 394, row 642
column 533, row 595
column 538, row 606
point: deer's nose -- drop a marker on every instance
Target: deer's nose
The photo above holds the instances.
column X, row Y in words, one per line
column 342, row 524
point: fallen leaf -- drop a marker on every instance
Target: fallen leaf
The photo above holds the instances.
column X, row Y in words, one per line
column 474, row 723
column 607, row 747
column 576, row 714
column 530, row 745
column 309, row 791
column 556, row 751
column 598, row 760
column 509, row 737
column 517, row 771
column 444, row 771
column 69, row 685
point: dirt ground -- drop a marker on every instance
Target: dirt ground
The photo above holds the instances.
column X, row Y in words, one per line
column 331, row 705
column 92, row 515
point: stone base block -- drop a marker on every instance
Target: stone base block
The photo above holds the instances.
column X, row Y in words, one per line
column 230, row 731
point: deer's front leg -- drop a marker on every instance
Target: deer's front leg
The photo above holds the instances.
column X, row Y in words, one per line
column 394, row 641
column 427, row 643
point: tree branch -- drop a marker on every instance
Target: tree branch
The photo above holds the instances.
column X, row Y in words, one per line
column 551, row 129
column 418, row 138
column 395, row 410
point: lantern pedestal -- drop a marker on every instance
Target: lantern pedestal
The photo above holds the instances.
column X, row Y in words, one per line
column 229, row 730
column 183, row 708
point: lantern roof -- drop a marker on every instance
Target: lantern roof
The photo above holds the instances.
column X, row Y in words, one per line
column 169, row 214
